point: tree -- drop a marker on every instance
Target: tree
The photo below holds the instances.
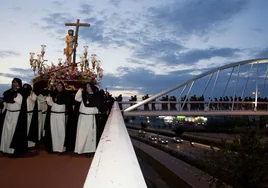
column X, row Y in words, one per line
column 246, row 167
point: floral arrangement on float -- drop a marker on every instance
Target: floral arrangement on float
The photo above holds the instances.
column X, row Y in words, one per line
column 73, row 74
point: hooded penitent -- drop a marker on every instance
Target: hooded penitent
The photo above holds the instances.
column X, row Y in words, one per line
column 18, row 81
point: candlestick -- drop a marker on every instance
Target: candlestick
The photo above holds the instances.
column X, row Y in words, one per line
column 85, row 47
column 59, row 63
column 43, row 47
column 31, row 55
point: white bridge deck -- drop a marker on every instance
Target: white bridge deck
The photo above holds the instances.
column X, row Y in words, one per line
column 115, row 163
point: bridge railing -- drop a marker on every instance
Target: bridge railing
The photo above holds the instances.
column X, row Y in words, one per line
column 197, row 106
column 115, row 163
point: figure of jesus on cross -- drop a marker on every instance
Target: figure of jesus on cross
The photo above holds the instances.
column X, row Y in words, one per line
column 71, row 41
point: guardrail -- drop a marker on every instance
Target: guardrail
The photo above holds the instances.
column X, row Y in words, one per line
column 115, row 163
column 196, row 105
column 189, row 108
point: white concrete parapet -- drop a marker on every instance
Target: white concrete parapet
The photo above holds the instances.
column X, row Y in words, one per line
column 115, row 163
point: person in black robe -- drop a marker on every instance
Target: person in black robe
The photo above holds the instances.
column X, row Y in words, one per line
column 2, row 118
column 71, row 127
column 95, row 99
column 33, row 129
column 19, row 140
column 59, row 97
column 47, row 140
column 103, row 114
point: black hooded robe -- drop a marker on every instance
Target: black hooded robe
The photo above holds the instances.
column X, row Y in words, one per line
column 102, row 117
column 2, row 118
column 58, row 98
column 20, row 140
column 33, row 127
column 71, row 128
column 97, row 100
column 34, row 131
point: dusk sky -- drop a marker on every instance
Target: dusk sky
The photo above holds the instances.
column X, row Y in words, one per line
column 145, row 46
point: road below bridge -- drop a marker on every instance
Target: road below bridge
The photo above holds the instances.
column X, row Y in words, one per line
column 185, row 147
column 212, row 136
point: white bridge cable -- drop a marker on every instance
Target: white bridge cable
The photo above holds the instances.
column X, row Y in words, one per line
column 182, row 91
column 212, row 92
column 207, row 84
column 265, row 79
column 256, row 92
column 223, row 94
column 187, row 95
column 235, row 86
column 249, row 72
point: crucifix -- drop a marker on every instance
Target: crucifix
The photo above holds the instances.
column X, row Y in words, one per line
column 72, row 41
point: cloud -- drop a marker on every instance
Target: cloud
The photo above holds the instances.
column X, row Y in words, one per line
column 158, row 48
column 195, row 55
column 8, row 53
column 142, row 80
column 171, row 57
column 57, row 3
column 156, row 35
column 262, row 53
column 25, row 74
column 195, row 16
column 145, row 81
column 55, row 21
column 116, row 3
column 15, row 8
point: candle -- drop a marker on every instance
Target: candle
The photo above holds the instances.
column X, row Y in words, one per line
column 43, row 48
column 85, row 47
column 39, row 57
column 93, row 57
column 59, row 61
column 98, row 63
column 82, row 59
column 32, row 56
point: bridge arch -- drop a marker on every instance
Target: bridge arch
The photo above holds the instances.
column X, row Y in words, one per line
column 210, row 72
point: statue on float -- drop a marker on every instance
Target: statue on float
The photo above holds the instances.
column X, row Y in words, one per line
column 73, row 74
column 70, row 42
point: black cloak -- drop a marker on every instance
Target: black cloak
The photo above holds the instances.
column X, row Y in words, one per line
column 19, row 141
column 34, row 131
column 94, row 100
column 63, row 97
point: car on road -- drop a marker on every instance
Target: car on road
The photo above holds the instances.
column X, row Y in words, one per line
column 153, row 138
column 141, row 133
column 162, row 141
column 177, row 140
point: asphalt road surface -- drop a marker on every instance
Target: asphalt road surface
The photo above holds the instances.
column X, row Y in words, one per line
column 185, row 147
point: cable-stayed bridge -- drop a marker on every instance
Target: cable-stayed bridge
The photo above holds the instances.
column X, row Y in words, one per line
column 236, row 89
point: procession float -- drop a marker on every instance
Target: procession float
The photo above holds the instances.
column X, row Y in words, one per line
column 73, row 74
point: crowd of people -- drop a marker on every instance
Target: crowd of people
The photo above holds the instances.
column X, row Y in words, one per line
column 199, row 103
column 58, row 119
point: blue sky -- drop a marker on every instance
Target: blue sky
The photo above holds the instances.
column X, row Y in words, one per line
column 145, row 45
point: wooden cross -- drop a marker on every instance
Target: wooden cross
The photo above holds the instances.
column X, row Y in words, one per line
column 77, row 25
